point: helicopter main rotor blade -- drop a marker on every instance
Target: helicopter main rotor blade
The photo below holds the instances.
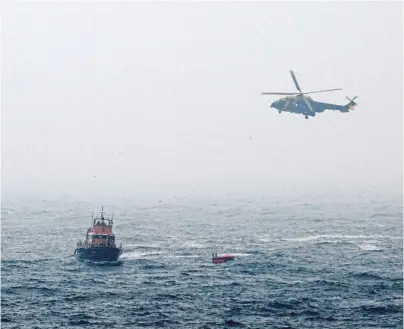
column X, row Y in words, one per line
column 321, row 91
column 295, row 81
column 279, row 94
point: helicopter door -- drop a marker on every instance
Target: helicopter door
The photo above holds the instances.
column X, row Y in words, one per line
column 285, row 107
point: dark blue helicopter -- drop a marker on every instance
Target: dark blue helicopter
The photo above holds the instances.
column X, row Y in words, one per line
column 301, row 104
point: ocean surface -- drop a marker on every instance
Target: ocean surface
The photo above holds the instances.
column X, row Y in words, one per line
column 306, row 262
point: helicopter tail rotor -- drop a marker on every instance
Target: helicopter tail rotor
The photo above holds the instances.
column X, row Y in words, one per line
column 352, row 102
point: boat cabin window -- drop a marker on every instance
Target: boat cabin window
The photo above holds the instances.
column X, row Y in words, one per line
column 102, row 236
column 99, row 236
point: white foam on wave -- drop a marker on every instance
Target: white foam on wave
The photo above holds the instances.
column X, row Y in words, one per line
column 192, row 244
column 184, row 256
column 137, row 255
column 369, row 247
column 130, row 245
column 326, row 236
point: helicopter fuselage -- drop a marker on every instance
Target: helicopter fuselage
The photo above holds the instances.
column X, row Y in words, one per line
column 306, row 106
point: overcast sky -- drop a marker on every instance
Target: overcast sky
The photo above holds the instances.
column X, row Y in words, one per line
column 152, row 97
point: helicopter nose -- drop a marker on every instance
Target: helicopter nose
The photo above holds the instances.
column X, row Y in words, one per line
column 275, row 104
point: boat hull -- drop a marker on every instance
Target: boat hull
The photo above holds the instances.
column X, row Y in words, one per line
column 98, row 254
column 223, row 259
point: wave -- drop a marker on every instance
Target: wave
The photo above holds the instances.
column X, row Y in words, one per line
column 369, row 247
column 353, row 237
column 367, row 276
column 232, row 323
column 25, row 261
column 184, row 256
column 380, row 309
column 340, row 238
column 137, row 255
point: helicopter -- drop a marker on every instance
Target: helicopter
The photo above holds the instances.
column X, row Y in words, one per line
column 300, row 104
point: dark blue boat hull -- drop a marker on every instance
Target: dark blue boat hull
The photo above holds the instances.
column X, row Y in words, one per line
column 98, row 254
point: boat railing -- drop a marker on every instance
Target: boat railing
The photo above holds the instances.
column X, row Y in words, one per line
column 100, row 244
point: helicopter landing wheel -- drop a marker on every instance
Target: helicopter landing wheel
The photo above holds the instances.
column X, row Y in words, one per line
column 306, row 117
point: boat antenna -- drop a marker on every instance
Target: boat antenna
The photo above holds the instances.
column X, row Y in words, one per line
column 92, row 215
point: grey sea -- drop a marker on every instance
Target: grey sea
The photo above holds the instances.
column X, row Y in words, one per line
column 324, row 261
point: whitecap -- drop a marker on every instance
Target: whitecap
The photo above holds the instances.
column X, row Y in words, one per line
column 369, row 247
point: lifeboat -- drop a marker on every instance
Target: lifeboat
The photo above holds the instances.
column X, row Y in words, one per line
column 221, row 259
column 99, row 245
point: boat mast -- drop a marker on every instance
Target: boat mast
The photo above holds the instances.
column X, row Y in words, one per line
column 92, row 215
